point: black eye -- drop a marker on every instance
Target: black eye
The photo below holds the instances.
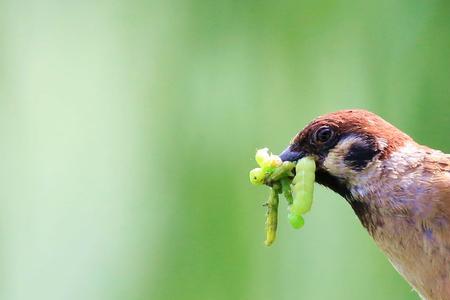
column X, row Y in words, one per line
column 323, row 135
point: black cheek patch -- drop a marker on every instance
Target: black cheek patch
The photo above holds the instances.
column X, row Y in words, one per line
column 360, row 154
column 333, row 183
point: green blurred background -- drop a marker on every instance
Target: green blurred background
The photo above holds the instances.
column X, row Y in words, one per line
column 128, row 129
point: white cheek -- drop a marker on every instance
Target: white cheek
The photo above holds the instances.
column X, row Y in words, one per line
column 334, row 164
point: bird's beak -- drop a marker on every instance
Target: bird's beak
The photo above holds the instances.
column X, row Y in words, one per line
column 289, row 155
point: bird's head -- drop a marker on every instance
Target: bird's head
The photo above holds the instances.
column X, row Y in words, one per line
column 346, row 145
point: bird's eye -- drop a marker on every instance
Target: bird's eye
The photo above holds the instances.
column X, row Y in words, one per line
column 323, row 135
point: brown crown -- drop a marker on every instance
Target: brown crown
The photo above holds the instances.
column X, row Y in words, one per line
column 360, row 122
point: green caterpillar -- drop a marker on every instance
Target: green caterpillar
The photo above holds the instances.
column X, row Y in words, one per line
column 272, row 215
column 303, row 188
column 297, row 190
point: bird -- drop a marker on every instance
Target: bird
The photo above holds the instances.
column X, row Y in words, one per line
column 398, row 188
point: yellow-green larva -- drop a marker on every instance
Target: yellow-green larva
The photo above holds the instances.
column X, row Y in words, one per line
column 257, row 176
column 272, row 215
column 287, row 191
column 278, row 176
column 303, row 189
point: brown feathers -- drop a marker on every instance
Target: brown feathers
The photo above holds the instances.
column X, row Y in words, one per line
column 357, row 122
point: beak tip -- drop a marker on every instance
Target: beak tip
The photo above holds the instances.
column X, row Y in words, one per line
column 290, row 155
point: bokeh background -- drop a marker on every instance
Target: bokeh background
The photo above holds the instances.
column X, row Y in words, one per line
column 128, row 129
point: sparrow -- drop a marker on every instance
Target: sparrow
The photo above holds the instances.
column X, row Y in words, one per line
column 399, row 189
